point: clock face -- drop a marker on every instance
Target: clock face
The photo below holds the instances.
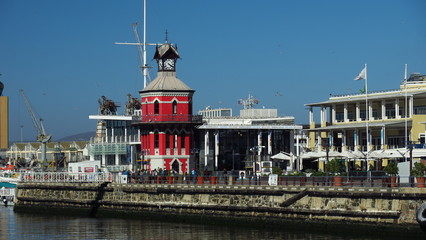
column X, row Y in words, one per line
column 169, row 64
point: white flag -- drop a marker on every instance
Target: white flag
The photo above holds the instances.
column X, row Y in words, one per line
column 362, row 74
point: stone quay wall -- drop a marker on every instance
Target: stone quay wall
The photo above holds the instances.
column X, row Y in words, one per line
column 385, row 206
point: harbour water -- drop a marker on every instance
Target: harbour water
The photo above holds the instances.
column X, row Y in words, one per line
column 38, row 226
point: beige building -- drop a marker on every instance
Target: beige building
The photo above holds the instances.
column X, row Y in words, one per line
column 4, row 122
column 380, row 121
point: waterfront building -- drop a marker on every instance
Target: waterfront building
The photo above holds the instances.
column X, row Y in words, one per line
column 162, row 132
column 245, row 142
column 57, row 153
column 218, row 112
column 384, row 122
column 167, row 123
column 117, row 143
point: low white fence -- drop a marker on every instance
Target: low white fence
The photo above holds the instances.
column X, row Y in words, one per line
column 69, row 177
column 7, row 192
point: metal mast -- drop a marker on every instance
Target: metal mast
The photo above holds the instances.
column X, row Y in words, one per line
column 144, row 44
column 141, row 53
column 249, row 102
column 145, row 66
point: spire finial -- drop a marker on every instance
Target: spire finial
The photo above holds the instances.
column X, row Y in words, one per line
column 167, row 36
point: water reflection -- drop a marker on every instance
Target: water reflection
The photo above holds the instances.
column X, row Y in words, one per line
column 38, row 226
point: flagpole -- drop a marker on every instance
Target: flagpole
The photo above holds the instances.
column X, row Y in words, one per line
column 406, row 106
column 367, row 117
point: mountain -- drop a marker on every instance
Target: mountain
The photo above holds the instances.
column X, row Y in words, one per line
column 77, row 137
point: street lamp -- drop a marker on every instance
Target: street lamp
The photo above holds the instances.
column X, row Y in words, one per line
column 254, row 150
column 143, row 153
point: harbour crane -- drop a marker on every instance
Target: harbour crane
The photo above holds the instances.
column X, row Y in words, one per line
column 42, row 137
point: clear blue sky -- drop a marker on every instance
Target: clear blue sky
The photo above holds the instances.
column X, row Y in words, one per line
column 62, row 53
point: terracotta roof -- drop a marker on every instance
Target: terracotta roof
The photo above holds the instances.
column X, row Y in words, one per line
column 66, row 145
column 35, row 144
column 51, row 145
column 81, row 144
column 20, row 146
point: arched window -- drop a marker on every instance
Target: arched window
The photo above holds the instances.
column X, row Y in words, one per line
column 167, row 140
column 156, row 107
column 174, row 107
column 156, row 140
column 182, row 141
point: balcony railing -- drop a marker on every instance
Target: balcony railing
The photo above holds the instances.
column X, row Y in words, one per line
column 168, row 118
column 116, row 139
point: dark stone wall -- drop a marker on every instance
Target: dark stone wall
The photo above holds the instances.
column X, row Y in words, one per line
column 370, row 206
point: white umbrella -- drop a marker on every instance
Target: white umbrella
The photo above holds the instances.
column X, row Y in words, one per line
column 389, row 153
column 379, row 154
column 354, row 154
column 337, row 154
column 313, row 155
column 282, row 156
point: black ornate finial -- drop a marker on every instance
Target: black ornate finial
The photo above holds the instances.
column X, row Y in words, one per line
column 167, row 36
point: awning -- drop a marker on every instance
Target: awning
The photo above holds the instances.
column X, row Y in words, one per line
column 323, row 154
column 312, row 155
column 283, row 156
column 379, row 154
column 334, row 154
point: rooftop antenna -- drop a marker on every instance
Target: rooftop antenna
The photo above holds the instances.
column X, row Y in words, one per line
column 249, row 102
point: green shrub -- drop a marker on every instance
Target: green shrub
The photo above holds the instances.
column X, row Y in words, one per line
column 276, row 170
column 318, row 174
column 333, row 166
column 391, row 169
column 295, row 173
column 418, row 170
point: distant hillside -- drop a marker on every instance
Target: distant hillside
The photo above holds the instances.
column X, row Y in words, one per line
column 78, row 137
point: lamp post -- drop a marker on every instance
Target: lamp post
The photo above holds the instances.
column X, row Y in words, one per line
column 143, row 163
column 256, row 160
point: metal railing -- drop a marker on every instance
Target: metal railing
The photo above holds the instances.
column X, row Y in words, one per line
column 68, row 177
column 7, row 192
column 169, row 118
column 344, row 181
column 359, row 94
column 349, row 181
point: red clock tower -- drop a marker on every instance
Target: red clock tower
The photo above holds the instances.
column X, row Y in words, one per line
column 167, row 123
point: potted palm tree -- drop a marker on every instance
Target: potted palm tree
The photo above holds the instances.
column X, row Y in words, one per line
column 392, row 170
column 419, row 172
column 333, row 166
